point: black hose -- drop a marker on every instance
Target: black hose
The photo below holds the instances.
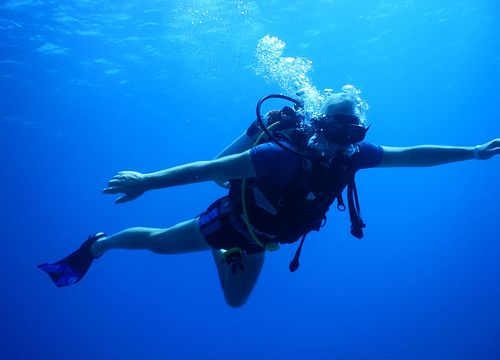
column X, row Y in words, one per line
column 264, row 127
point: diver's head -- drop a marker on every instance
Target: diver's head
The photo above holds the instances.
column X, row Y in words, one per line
column 341, row 121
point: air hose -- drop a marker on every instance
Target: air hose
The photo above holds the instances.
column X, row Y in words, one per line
column 270, row 246
column 266, row 132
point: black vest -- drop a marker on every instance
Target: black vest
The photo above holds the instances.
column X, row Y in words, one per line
column 284, row 214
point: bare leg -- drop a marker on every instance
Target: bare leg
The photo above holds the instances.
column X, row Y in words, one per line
column 181, row 238
column 238, row 286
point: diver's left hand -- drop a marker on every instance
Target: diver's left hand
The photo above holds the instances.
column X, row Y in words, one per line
column 129, row 183
column 488, row 150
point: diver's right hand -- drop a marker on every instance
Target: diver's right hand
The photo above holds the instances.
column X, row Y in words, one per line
column 129, row 183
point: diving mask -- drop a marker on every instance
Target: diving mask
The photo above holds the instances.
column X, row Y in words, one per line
column 342, row 129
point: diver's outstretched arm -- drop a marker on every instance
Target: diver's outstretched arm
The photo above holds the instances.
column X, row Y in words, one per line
column 432, row 155
column 133, row 184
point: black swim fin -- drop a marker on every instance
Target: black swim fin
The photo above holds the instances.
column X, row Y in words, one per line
column 73, row 267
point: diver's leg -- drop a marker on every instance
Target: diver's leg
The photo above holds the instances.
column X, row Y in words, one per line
column 181, row 238
column 238, row 284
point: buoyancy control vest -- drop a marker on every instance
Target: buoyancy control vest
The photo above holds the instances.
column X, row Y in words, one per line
column 284, row 214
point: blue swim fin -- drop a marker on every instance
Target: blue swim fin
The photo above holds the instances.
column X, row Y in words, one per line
column 73, row 267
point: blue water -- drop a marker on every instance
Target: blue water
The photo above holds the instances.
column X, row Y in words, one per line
column 89, row 88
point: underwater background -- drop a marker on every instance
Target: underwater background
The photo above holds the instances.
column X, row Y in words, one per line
column 89, row 88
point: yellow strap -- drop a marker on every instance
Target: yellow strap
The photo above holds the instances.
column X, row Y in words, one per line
column 270, row 246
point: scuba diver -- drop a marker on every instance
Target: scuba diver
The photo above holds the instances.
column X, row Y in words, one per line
column 283, row 175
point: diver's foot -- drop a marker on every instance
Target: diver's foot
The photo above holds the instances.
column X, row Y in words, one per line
column 73, row 267
column 95, row 249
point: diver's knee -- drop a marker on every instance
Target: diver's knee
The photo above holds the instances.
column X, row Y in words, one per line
column 236, row 302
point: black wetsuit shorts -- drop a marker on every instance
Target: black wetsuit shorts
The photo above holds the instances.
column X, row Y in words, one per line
column 224, row 229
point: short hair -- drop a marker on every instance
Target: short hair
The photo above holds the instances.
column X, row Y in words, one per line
column 340, row 103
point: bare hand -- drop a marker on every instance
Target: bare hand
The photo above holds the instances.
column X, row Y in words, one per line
column 488, row 150
column 130, row 183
